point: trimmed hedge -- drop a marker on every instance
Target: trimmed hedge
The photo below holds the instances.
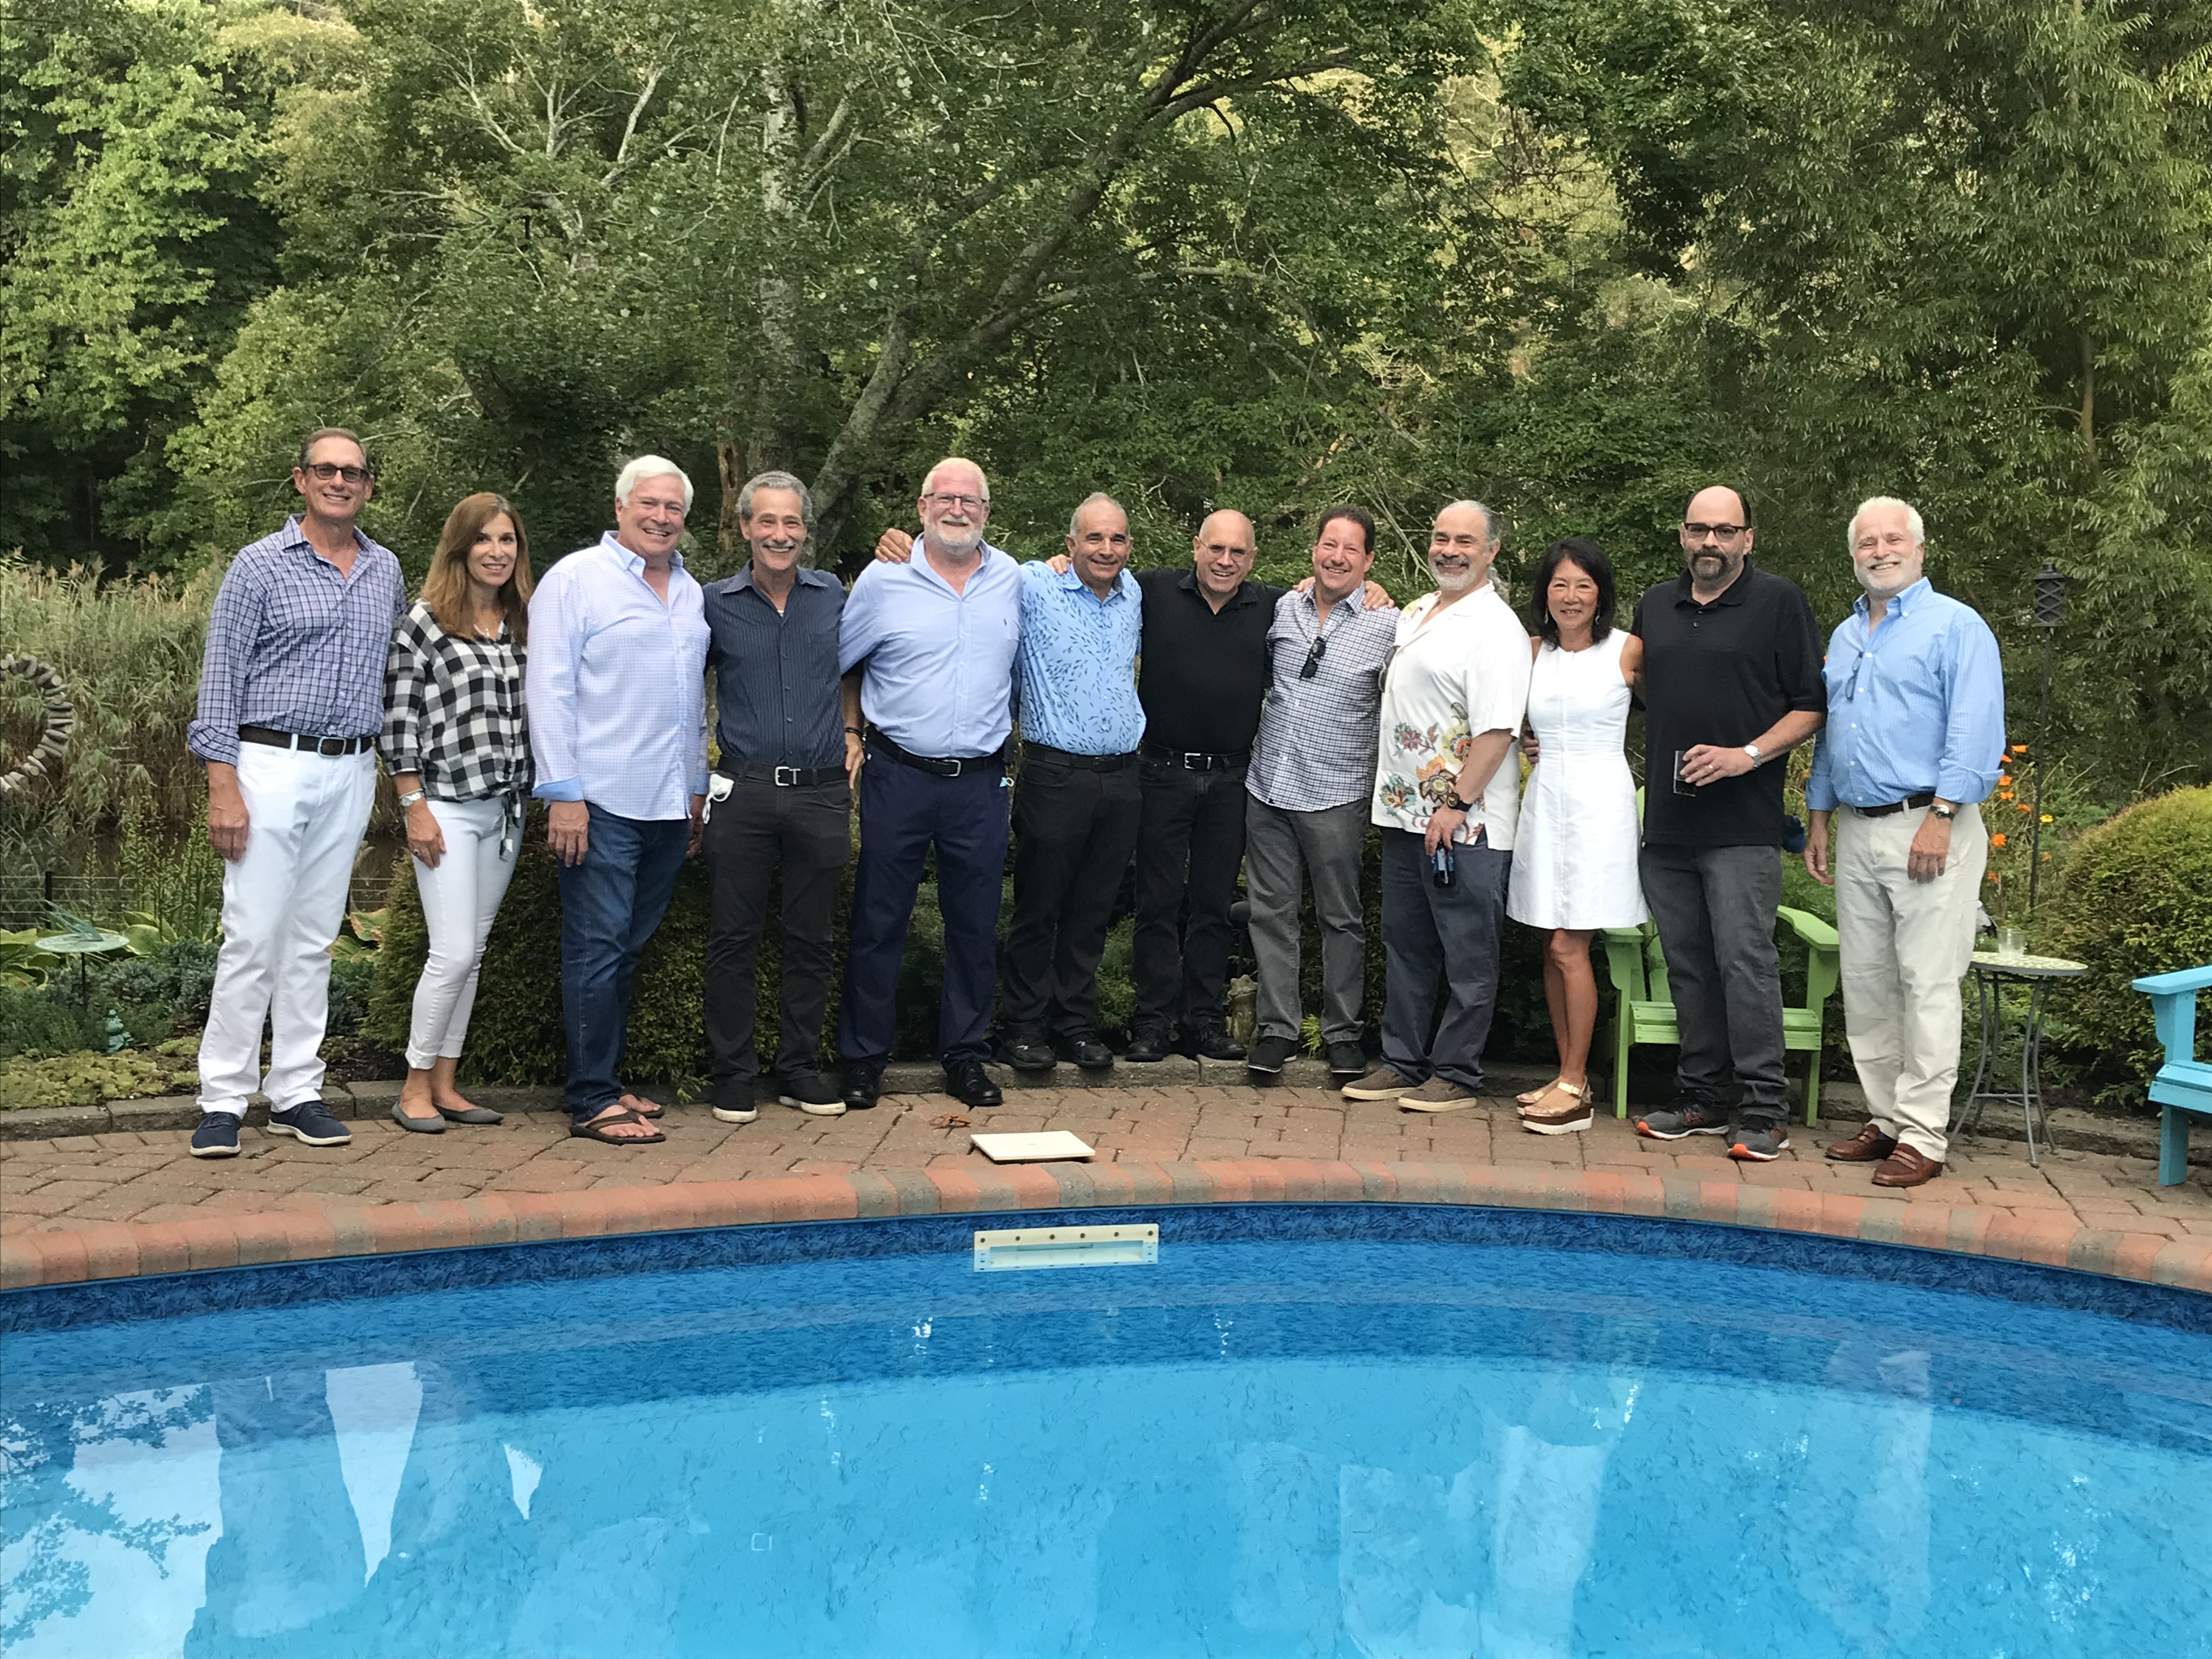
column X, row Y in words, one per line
column 2136, row 899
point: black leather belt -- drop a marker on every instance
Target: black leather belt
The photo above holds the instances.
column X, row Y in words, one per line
column 952, row 768
column 314, row 745
column 783, row 777
column 1041, row 752
column 1191, row 760
column 1925, row 799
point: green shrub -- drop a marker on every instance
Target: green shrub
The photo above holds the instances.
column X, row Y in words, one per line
column 2136, row 899
column 48, row 1021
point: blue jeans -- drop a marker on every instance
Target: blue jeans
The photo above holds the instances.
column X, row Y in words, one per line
column 610, row 902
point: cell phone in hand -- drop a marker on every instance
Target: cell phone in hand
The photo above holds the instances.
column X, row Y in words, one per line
column 1680, row 787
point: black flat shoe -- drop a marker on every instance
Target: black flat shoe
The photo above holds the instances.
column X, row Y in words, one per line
column 1088, row 1052
column 860, row 1085
column 1215, row 1043
column 1025, row 1055
column 1146, row 1046
column 967, row 1082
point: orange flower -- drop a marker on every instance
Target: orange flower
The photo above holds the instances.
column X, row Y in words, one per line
column 1991, row 876
column 2021, row 806
column 2005, row 794
column 2004, row 779
column 2020, row 749
column 1998, row 839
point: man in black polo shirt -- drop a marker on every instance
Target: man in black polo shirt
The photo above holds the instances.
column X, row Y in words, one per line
column 782, row 793
column 1731, row 683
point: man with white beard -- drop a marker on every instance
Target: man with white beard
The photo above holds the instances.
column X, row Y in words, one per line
column 1447, row 796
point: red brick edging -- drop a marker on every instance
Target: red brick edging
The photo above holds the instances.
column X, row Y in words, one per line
column 119, row 1249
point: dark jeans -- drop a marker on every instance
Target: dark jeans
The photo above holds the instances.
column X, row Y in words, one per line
column 808, row 832
column 1440, row 943
column 1714, row 908
column 1074, row 830
column 610, row 902
column 1190, row 843
column 903, row 811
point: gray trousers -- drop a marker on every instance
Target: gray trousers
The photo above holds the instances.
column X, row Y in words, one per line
column 1282, row 850
column 1714, row 908
column 1440, row 943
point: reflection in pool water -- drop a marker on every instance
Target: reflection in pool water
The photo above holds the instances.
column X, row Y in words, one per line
column 1274, row 1445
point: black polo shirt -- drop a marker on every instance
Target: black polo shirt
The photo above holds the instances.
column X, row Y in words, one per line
column 1722, row 673
column 1202, row 672
column 775, row 672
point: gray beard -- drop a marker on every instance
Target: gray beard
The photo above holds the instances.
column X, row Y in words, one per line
column 955, row 543
column 1458, row 583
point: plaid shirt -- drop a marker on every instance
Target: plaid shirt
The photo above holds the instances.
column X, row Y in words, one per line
column 1317, row 734
column 454, row 711
column 295, row 646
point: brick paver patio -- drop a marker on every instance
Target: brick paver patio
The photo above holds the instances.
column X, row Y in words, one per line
column 83, row 1181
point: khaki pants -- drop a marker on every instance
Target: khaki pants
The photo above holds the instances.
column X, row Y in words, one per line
column 1905, row 946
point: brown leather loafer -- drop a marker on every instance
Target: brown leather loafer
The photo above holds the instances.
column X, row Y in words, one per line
column 1906, row 1167
column 1868, row 1146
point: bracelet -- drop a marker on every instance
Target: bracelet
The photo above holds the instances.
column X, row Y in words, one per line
column 856, row 731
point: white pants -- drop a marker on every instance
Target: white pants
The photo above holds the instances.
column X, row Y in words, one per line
column 282, row 905
column 459, row 899
column 1904, row 946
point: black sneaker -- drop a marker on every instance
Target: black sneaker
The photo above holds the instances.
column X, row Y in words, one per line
column 1347, row 1059
column 312, row 1122
column 1146, row 1046
column 1683, row 1117
column 1213, row 1042
column 1088, row 1052
column 216, row 1136
column 1269, row 1054
column 809, row 1092
column 860, row 1084
column 1028, row 1053
column 733, row 1102
column 1760, row 1143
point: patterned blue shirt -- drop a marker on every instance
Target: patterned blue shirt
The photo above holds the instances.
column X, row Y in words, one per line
column 294, row 646
column 1080, row 663
column 941, row 666
column 1919, row 705
column 617, row 684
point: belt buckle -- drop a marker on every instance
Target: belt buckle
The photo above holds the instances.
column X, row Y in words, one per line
column 330, row 745
column 1204, row 763
column 784, row 782
column 958, row 766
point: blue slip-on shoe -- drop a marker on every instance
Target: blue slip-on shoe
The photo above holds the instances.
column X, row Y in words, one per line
column 311, row 1122
column 216, row 1136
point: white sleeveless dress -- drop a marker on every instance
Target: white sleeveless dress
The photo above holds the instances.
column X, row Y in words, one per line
column 1574, row 855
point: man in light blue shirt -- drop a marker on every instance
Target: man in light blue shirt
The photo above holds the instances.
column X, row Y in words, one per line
column 1913, row 741
column 933, row 643
column 618, row 734
column 1077, row 803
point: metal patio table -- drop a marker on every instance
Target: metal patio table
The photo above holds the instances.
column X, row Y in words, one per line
column 1992, row 972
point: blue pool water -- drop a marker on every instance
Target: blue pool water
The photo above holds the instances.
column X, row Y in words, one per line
column 1457, row 1433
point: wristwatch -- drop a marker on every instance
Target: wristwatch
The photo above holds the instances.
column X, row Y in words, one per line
column 1751, row 749
column 1452, row 801
column 1946, row 813
column 411, row 798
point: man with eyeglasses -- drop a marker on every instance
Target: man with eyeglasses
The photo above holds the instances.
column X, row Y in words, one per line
column 1731, row 683
column 1313, row 766
column 1914, row 741
column 933, row 643
column 291, row 698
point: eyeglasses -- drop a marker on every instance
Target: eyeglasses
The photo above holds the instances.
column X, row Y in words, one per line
column 323, row 471
column 1726, row 532
column 1312, row 664
column 961, row 503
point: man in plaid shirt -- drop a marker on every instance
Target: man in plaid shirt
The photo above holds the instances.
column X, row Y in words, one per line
column 291, row 698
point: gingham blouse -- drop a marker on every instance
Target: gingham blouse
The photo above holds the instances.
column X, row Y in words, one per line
column 454, row 710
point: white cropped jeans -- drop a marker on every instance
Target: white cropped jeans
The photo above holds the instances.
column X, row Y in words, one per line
column 460, row 897
column 282, row 904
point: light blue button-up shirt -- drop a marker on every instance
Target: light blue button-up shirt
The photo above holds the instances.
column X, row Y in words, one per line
column 1917, row 704
column 616, row 684
column 941, row 666
column 1080, row 663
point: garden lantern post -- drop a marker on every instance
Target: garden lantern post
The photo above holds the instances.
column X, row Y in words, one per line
column 2050, row 585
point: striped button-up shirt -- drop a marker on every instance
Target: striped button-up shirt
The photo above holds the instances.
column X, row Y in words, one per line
column 295, row 646
column 617, row 684
column 1316, row 746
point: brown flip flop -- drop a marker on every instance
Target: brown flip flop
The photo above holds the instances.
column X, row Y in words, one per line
column 644, row 1108
column 595, row 1130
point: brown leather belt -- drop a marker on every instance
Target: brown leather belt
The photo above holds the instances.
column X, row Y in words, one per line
column 1927, row 798
column 276, row 739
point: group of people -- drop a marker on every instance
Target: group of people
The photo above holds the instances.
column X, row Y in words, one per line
column 1189, row 719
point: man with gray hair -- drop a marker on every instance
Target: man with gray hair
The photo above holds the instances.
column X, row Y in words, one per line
column 1447, row 798
column 617, row 731
column 780, row 797
column 1915, row 739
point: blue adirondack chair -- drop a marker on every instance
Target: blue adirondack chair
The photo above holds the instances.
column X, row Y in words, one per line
column 2184, row 1083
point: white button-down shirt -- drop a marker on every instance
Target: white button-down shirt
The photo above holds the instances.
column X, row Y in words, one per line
column 615, row 686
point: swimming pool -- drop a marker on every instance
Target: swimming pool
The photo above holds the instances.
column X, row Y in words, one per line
column 1306, row 1430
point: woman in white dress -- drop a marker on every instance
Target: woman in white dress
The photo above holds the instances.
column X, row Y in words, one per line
column 1574, row 862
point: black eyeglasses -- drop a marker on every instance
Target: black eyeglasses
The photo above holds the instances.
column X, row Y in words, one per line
column 323, row 471
column 1726, row 532
column 1312, row 664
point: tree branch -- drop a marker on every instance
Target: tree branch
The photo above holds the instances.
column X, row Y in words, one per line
column 630, row 126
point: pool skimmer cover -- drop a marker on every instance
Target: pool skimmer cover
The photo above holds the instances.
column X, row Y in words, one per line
column 1004, row 1250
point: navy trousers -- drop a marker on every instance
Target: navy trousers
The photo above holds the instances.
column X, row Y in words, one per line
column 904, row 811
column 610, row 902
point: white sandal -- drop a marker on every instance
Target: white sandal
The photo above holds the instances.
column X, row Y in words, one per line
column 1575, row 1117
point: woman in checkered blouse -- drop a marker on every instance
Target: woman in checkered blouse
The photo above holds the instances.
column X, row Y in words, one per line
column 456, row 741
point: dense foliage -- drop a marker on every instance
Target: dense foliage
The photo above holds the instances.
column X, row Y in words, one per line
column 1569, row 255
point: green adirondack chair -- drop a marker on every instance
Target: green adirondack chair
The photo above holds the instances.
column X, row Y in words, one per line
column 1644, row 1009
